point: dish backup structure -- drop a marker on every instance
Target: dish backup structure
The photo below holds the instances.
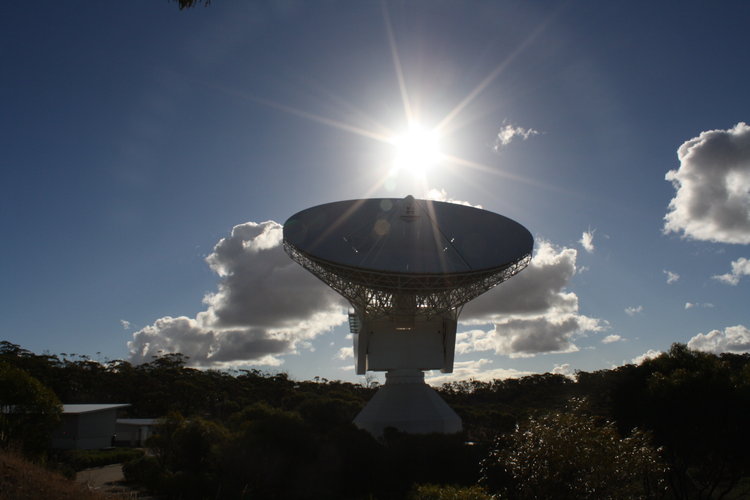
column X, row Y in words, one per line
column 407, row 267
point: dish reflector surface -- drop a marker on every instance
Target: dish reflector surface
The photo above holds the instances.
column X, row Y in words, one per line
column 407, row 236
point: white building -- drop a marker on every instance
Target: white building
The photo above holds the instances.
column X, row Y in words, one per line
column 86, row 426
column 134, row 431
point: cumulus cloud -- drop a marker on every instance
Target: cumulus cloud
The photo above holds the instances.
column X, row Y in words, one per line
column 690, row 305
column 609, row 339
column 633, row 310
column 532, row 313
column 650, row 354
column 442, row 195
column 671, row 277
column 265, row 306
column 735, row 339
column 509, row 132
column 527, row 337
column 125, row 324
column 712, row 202
column 564, row 369
column 740, row 268
column 345, row 353
column 475, row 369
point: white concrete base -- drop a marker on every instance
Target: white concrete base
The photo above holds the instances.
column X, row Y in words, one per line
column 406, row 403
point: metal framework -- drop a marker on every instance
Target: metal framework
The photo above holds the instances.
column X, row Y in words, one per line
column 373, row 293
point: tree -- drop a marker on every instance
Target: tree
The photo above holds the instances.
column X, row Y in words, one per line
column 29, row 411
column 569, row 455
column 695, row 405
column 270, row 454
column 186, row 4
column 162, row 442
column 195, row 444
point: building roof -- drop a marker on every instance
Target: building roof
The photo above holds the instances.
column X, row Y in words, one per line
column 90, row 408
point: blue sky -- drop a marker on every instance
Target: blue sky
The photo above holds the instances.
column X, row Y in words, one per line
column 134, row 137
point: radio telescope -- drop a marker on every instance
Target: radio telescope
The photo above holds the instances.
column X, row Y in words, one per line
column 407, row 267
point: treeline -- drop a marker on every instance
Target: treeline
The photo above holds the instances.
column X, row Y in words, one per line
column 673, row 427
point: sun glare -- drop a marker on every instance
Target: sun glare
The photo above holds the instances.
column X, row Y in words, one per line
column 416, row 151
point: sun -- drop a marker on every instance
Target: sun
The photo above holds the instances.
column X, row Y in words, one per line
column 416, row 151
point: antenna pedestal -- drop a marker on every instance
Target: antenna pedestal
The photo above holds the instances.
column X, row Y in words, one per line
column 407, row 404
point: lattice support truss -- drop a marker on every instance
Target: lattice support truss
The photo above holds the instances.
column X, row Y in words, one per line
column 375, row 293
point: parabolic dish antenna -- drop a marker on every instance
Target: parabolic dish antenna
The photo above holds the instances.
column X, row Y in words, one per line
column 407, row 267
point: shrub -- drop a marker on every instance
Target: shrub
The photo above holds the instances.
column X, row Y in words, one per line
column 144, row 471
column 85, row 459
column 437, row 492
column 569, row 455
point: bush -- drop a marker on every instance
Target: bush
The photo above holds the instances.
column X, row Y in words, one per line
column 569, row 455
column 85, row 459
column 144, row 471
column 436, row 492
column 412, row 459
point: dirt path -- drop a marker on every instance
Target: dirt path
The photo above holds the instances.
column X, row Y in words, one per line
column 100, row 476
column 107, row 480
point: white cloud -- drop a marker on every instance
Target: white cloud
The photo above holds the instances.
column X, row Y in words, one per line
column 125, row 324
column 734, row 339
column 740, row 268
column 713, row 187
column 587, row 240
column 538, row 289
column 671, row 277
column 266, row 305
column 609, row 339
column 442, row 195
column 527, row 337
column 509, row 132
column 650, row 354
column 532, row 313
column 475, row 369
column 690, row 305
column 564, row 369
column 633, row 310
column 345, row 353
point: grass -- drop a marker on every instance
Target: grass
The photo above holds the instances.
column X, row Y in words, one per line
column 23, row 480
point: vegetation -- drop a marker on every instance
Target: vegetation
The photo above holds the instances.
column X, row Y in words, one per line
column 87, row 459
column 436, row 492
column 23, row 480
column 186, row 4
column 29, row 411
column 535, row 461
column 672, row 427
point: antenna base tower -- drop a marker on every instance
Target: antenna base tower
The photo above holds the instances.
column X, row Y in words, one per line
column 409, row 405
